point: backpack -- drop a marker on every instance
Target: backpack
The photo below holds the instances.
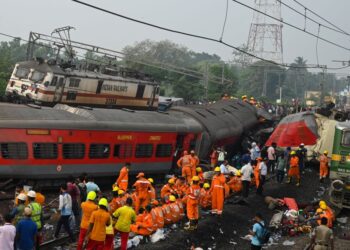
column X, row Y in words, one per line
column 265, row 234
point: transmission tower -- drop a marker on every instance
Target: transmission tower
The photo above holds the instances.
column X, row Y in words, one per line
column 265, row 34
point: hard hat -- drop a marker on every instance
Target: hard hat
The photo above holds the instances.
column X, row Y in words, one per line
column 31, row 194
column 206, row 185
column 140, row 175
column 217, row 169
column 115, row 189
column 321, row 202
column 244, row 96
column 171, row 181
column 199, row 169
column 325, row 152
column 120, row 192
column 251, row 98
column 292, row 153
column 192, row 152
column 22, row 197
column 103, row 202
column 238, row 173
column 195, row 178
column 323, row 206
column 91, row 195
column 151, row 180
column 172, row 198
column 319, row 210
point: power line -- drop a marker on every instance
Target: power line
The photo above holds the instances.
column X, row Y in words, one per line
column 224, row 25
column 196, row 36
column 291, row 25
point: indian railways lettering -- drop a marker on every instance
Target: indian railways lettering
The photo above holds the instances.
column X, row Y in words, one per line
column 115, row 88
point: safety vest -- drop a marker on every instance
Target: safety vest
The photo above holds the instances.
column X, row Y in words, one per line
column 109, row 229
column 36, row 213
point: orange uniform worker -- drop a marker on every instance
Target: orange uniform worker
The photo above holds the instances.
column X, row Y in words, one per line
column 151, row 191
column 193, row 196
column 115, row 202
column 323, row 166
column 257, row 172
column 205, row 196
column 174, row 210
column 87, row 208
column 181, row 186
column 185, row 163
column 218, row 192
column 96, row 233
column 145, row 225
column 294, row 168
column 157, row 211
column 195, row 163
column 235, row 182
column 168, row 189
column 141, row 189
column 168, row 219
column 123, row 179
column 326, row 212
column 200, row 174
column 244, row 98
column 214, row 158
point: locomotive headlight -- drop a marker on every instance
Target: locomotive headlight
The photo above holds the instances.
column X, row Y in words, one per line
column 337, row 185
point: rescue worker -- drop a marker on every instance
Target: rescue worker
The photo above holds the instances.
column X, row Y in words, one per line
column 18, row 212
column 324, row 166
column 294, row 168
column 114, row 204
column 144, row 226
column 256, row 168
column 37, row 216
column 168, row 189
column 122, row 181
column 217, row 189
column 225, row 97
column 185, row 163
column 157, row 215
column 166, row 210
column 141, row 185
column 195, row 163
column 174, row 209
column 252, row 101
column 96, row 233
column 200, row 175
column 235, row 182
column 122, row 197
column 181, row 186
column 326, row 212
column 214, row 158
column 193, row 196
column 205, row 197
column 87, row 208
column 151, row 191
column 244, row 98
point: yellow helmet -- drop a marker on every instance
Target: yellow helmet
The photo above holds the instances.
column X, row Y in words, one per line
column 238, row 173
column 151, row 180
column 292, row 153
column 322, row 202
column 206, row 185
column 91, row 195
column 120, row 192
column 172, row 198
column 195, row 178
column 199, row 169
column 217, row 169
column 115, row 189
column 325, row 152
column 252, row 98
column 244, row 96
column 323, row 206
column 319, row 210
column 171, row 181
column 103, row 202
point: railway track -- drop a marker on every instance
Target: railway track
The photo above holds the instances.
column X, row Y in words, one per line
column 50, row 244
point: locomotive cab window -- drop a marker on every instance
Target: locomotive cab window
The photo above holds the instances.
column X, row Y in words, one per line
column 54, row 81
column 346, row 138
column 73, row 151
column 122, row 150
column 14, row 150
column 22, row 72
column 99, row 151
column 144, row 150
column 163, row 150
column 45, row 150
column 37, row 76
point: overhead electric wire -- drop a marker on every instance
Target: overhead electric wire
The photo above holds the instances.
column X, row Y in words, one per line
column 224, row 25
column 289, row 24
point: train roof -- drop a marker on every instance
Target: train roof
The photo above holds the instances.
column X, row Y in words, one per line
column 42, row 67
column 67, row 117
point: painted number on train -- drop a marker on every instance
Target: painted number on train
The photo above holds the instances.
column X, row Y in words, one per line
column 124, row 137
column 111, row 101
column 154, row 138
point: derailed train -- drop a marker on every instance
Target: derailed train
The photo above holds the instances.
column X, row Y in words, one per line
column 44, row 142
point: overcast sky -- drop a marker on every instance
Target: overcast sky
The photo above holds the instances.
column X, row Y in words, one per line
column 202, row 17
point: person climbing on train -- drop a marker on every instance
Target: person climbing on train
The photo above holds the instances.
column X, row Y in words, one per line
column 235, row 182
column 168, row 189
column 324, row 165
column 18, row 211
column 217, row 189
column 114, row 204
column 96, row 233
column 193, row 196
column 195, row 163
column 294, row 171
column 302, row 155
column 37, row 216
column 185, row 163
column 122, row 181
column 144, row 225
column 87, row 208
column 205, row 196
column 152, row 195
column 141, row 189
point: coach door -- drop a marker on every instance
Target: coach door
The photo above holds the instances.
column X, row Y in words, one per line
column 59, row 90
column 140, row 91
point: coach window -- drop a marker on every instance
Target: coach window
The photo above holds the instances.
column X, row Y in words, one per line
column 99, row 151
column 73, row 151
column 144, row 150
column 74, row 83
column 71, row 95
column 54, row 81
column 163, row 150
column 60, row 82
column 122, row 151
column 14, row 150
column 45, row 150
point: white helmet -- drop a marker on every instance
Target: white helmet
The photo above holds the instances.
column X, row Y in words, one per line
column 22, row 197
column 31, row 194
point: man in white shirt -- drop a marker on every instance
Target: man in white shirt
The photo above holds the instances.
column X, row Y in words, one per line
column 221, row 155
column 7, row 234
column 254, row 151
column 271, row 156
column 224, row 168
column 246, row 172
column 263, row 173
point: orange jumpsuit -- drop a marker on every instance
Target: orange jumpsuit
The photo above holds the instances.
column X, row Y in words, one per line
column 167, row 190
column 218, row 192
column 122, row 181
column 328, row 213
column 294, row 167
column 167, row 214
column 227, row 190
column 181, row 207
column 195, row 163
column 235, row 184
column 159, row 221
column 214, row 158
column 151, row 193
column 205, row 198
column 144, row 225
column 323, row 166
column 185, row 163
column 141, row 191
column 175, row 212
column 201, row 177
column 257, row 174
column 115, row 203
column 193, row 196
column 180, row 188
